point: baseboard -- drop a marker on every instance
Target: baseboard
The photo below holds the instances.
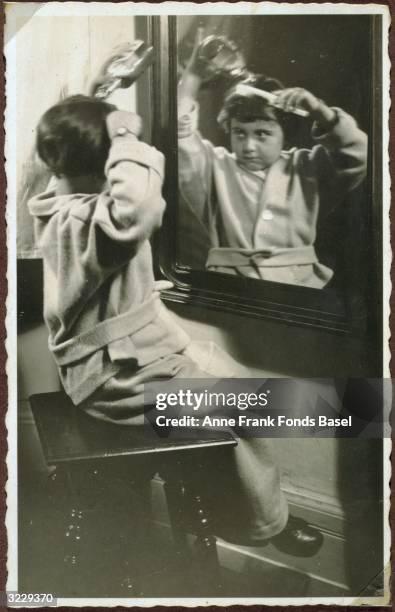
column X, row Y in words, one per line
column 317, row 509
column 25, row 415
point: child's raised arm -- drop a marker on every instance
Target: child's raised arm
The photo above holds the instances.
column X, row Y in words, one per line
column 340, row 154
column 135, row 172
column 192, row 75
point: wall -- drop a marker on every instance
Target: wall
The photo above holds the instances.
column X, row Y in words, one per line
column 71, row 50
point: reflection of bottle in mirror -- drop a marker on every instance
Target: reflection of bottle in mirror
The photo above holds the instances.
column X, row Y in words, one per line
column 126, row 69
column 221, row 56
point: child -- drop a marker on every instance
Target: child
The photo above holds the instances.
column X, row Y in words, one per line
column 109, row 332
column 101, row 303
column 260, row 203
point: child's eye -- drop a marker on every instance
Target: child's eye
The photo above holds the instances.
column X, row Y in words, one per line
column 262, row 134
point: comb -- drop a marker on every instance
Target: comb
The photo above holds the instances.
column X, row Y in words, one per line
column 248, row 90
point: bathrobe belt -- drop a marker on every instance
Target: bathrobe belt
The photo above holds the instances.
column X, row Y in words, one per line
column 106, row 332
column 261, row 258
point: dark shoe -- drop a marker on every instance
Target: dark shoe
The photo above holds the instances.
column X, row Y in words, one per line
column 298, row 538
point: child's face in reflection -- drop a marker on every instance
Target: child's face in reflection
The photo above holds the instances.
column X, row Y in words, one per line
column 257, row 144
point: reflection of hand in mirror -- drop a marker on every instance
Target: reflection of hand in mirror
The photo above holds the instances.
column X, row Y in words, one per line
column 259, row 199
column 194, row 63
column 296, row 98
column 213, row 56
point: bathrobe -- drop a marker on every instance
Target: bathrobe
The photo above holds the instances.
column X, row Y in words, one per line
column 101, row 302
column 263, row 224
column 110, row 334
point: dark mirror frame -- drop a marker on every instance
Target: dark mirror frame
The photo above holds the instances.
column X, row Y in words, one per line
column 254, row 298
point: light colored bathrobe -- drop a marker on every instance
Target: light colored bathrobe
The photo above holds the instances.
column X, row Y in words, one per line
column 100, row 300
column 110, row 334
column 263, row 224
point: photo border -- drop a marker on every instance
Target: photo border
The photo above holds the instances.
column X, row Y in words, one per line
column 11, row 276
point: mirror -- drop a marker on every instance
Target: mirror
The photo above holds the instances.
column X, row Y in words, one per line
column 285, row 203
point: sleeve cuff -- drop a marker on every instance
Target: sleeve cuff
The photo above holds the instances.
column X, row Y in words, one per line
column 338, row 131
column 188, row 117
column 122, row 123
column 125, row 149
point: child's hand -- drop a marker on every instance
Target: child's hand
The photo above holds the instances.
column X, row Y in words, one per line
column 296, row 97
column 212, row 56
column 103, row 76
column 120, row 123
column 195, row 65
column 193, row 73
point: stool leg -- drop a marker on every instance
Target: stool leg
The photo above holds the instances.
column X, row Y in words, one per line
column 206, row 544
column 139, row 583
column 66, row 526
column 73, row 532
column 186, row 505
column 175, row 497
column 69, row 578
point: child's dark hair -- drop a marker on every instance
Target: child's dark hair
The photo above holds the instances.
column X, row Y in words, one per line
column 72, row 136
column 247, row 109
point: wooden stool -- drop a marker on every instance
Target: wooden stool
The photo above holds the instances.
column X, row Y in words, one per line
column 77, row 445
